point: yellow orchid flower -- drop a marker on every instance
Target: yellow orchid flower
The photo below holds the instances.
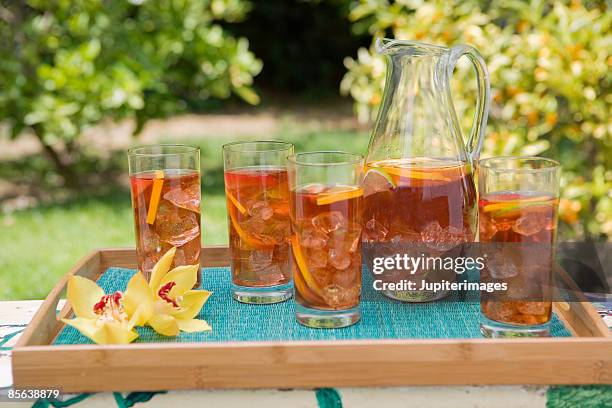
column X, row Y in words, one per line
column 109, row 319
column 175, row 303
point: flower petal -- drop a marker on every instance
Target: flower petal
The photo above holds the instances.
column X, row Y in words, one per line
column 117, row 333
column 87, row 327
column 193, row 325
column 138, row 300
column 185, row 278
column 164, row 324
column 161, row 268
column 191, row 304
column 163, row 307
column 83, row 294
column 103, row 333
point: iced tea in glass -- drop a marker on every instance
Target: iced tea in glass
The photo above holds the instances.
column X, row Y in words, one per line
column 165, row 188
column 518, row 223
column 257, row 194
column 326, row 214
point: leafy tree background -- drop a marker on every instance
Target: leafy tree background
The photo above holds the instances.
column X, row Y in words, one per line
column 65, row 65
column 549, row 63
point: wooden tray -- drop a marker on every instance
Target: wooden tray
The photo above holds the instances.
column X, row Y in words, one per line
column 583, row 359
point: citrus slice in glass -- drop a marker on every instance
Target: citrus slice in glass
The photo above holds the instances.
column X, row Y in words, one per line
column 339, row 193
column 376, row 181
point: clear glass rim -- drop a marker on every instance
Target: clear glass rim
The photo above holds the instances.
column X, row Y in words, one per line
column 352, row 158
column 391, row 46
column 493, row 164
column 242, row 146
column 147, row 150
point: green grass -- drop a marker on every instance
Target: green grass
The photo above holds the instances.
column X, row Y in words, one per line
column 38, row 245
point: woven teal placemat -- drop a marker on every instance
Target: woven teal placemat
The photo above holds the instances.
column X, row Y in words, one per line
column 382, row 318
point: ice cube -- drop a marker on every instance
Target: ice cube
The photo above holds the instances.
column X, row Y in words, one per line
column 337, row 296
column 502, row 311
column 501, row 268
column 487, row 231
column 348, row 279
column 260, row 209
column 312, row 238
column 317, row 258
column 148, row 264
column 329, row 221
column 278, row 229
column 187, row 198
column 175, row 225
column 271, row 275
column 339, row 259
column 260, row 259
column 188, row 254
column 442, row 239
column 149, row 240
column 502, row 224
column 400, row 234
column 532, row 308
column 253, row 225
column 529, row 224
column 374, row 231
column 353, row 238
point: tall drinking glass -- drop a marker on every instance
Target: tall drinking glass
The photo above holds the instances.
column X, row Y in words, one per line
column 326, row 214
column 518, row 223
column 257, row 195
column 165, row 186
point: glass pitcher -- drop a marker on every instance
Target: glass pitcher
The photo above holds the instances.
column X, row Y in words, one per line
column 419, row 190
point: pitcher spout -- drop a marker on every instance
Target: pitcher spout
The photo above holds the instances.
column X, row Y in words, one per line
column 388, row 46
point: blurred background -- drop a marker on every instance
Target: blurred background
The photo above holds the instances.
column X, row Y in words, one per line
column 83, row 80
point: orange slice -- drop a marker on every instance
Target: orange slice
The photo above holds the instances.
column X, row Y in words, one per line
column 303, row 289
column 339, row 193
column 236, row 203
column 158, row 183
column 415, row 174
column 302, row 267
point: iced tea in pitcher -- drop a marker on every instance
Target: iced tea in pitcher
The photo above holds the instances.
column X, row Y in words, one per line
column 429, row 205
column 419, row 193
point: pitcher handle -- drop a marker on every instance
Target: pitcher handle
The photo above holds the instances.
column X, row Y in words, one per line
column 483, row 102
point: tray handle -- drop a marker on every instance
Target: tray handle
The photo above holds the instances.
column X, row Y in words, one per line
column 44, row 326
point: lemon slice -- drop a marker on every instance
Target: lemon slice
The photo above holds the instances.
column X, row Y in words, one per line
column 339, row 193
column 510, row 205
column 515, row 209
column 376, row 181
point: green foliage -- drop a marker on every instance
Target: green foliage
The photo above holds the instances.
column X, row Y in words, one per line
column 66, row 65
column 550, row 74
